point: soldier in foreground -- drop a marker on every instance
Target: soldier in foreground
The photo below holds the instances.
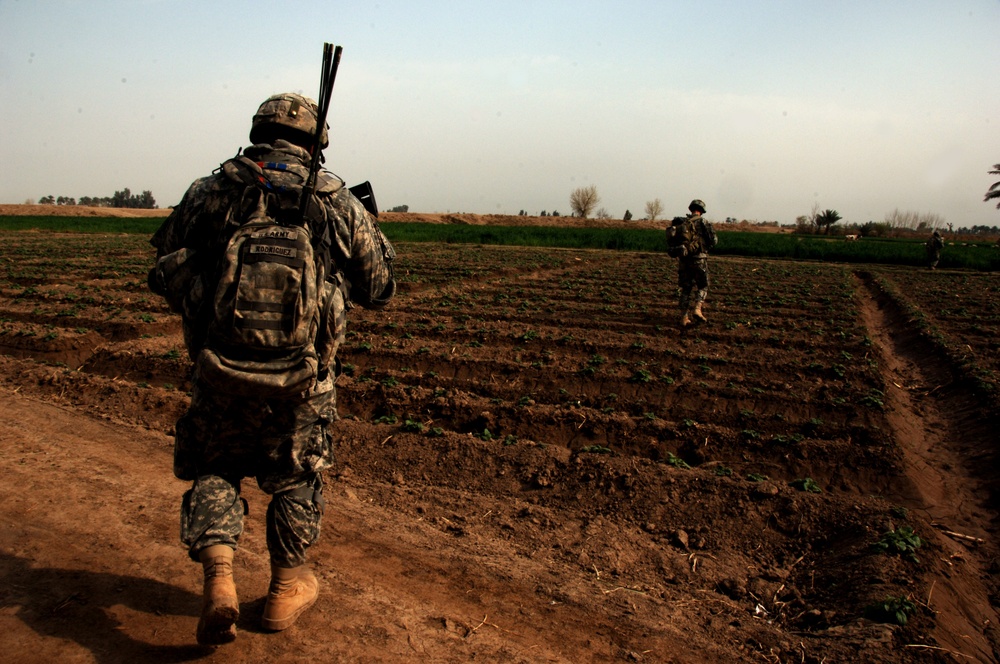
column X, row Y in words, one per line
column 262, row 266
column 934, row 247
column 689, row 239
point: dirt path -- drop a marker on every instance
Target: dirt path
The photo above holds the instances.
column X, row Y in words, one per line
column 94, row 574
column 942, row 449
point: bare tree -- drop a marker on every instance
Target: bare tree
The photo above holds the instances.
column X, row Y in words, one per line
column 994, row 190
column 654, row 209
column 914, row 221
column 806, row 223
column 584, row 200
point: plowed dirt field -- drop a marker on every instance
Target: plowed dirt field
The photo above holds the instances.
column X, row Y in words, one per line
column 534, row 465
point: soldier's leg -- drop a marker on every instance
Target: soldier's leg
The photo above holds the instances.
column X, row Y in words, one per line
column 684, row 301
column 293, row 525
column 211, row 514
column 211, row 523
column 293, row 521
column 701, row 281
column 685, row 283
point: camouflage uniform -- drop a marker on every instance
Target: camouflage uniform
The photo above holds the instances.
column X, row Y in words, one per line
column 283, row 443
column 934, row 247
column 692, row 271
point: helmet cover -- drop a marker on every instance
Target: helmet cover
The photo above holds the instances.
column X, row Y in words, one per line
column 288, row 110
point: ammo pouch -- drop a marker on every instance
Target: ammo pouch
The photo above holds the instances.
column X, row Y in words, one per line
column 177, row 277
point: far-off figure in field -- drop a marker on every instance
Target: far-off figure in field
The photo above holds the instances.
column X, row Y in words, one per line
column 934, row 247
column 689, row 239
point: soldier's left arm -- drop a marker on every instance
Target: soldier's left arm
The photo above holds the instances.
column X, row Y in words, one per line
column 369, row 254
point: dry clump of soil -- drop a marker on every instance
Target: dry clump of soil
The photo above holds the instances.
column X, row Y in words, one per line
column 534, row 464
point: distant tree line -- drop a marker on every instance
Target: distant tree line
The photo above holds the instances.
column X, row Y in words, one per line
column 121, row 199
column 584, row 201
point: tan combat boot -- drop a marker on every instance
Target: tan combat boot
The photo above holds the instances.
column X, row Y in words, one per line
column 698, row 314
column 685, row 319
column 220, row 607
column 292, row 591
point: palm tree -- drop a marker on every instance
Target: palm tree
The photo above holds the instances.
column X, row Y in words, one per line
column 827, row 218
column 994, row 191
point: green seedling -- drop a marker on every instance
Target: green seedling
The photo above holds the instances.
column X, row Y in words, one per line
column 677, row 462
column 642, row 376
column 413, row 426
column 807, row 484
column 902, row 542
column 891, row 610
column 874, row 399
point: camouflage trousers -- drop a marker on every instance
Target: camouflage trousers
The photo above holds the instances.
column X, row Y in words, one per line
column 692, row 273
column 283, row 443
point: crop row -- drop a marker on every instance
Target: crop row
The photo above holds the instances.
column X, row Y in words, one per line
column 578, row 352
column 959, row 312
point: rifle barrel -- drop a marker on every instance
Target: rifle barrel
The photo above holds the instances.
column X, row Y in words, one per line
column 328, row 74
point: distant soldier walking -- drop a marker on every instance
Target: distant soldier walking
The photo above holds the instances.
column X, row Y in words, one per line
column 934, row 247
column 262, row 259
column 689, row 240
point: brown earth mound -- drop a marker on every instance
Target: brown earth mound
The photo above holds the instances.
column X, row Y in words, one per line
column 77, row 211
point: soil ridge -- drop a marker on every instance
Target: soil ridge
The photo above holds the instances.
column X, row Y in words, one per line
column 945, row 477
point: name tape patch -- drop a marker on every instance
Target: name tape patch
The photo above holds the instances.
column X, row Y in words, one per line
column 273, row 250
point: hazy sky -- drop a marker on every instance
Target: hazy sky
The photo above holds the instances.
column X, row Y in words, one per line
column 762, row 109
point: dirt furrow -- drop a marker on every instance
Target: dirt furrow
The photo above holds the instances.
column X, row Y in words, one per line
column 941, row 437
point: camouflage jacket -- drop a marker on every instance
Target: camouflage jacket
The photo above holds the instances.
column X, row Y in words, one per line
column 361, row 253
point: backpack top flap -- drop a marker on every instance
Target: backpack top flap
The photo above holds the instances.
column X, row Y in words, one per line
column 281, row 189
column 282, row 183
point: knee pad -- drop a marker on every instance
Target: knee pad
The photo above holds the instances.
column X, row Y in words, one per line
column 293, row 522
column 211, row 513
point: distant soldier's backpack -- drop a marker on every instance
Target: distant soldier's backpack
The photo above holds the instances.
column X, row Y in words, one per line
column 271, row 298
column 683, row 238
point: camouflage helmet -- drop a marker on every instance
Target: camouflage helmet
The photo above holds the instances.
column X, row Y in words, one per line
column 697, row 204
column 291, row 111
